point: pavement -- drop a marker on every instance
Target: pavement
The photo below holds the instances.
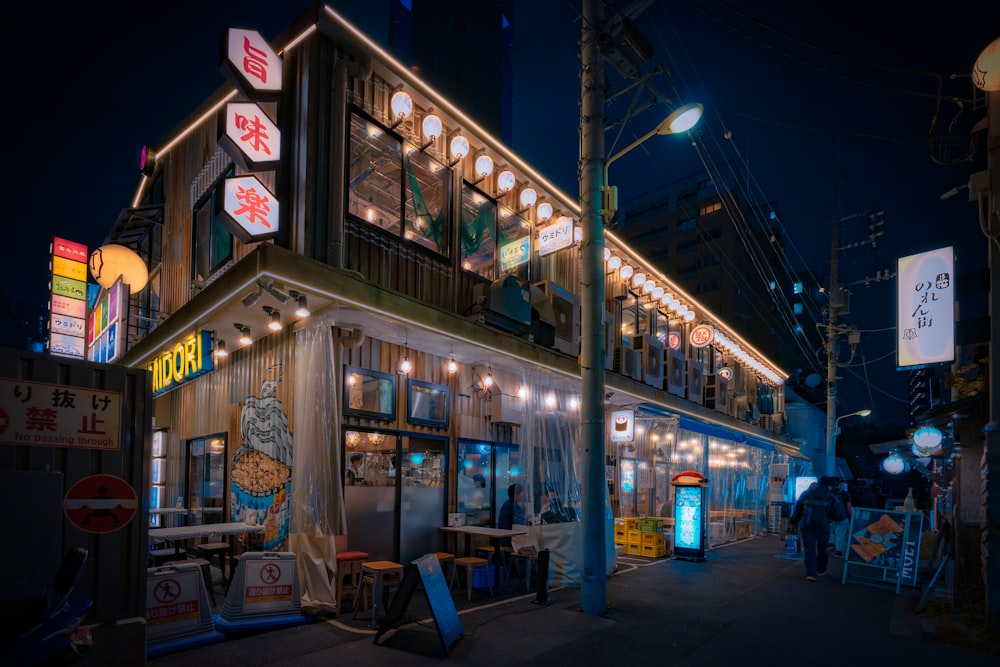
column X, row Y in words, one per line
column 746, row 603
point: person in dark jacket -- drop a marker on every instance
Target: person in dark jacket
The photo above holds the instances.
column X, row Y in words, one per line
column 816, row 508
column 512, row 511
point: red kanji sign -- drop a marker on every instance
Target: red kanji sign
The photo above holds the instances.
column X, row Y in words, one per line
column 100, row 504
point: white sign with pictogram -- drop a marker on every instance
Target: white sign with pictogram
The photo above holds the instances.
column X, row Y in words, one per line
column 173, row 601
column 268, row 586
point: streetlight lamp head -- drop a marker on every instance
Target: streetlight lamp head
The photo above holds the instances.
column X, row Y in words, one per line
column 864, row 413
column 681, row 120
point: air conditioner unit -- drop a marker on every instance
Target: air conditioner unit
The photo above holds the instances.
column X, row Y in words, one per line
column 710, row 390
column 628, row 362
column 765, row 422
column 676, row 372
column 652, row 359
column 563, row 313
column 504, row 409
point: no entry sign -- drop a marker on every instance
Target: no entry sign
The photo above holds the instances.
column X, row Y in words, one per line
column 100, row 504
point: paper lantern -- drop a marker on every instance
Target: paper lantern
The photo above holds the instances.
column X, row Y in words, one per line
column 109, row 262
column 986, row 70
column 893, row 464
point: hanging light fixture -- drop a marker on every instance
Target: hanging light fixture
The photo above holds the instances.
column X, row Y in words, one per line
column 893, row 464
column 244, row 330
column 301, row 304
column 402, row 107
column 405, row 366
column 274, row 316
column 544, row 211
column 528, row 198
column 927, row 441
column 484, row 166
column 505, row 181
column 450, row 364
column 459, row 148
column 431, row 128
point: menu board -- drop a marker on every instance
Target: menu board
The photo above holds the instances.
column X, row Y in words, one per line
column 884, row 546
column 427, row 570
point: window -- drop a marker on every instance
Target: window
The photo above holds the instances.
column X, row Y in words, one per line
column 369, row 393
column 479, row 219
column 427, row 196
column 710, row 208
column 687, row 224
column 213, row 244
column 514, row 240
column 375, row 184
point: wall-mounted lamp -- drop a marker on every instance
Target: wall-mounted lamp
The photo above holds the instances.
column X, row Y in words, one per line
column 528, row 198
column 220, row 348
column 405, row 366
column 402, row 107
column 431, row 128
column 614, row 263
column 459, row 149
column 301, row 304
column 626, row 272
column 484, row 167
column 244, row 330
column 451, row 365
column 274, row 316
column 278, row 292
column 544, row 211
column 505, row 181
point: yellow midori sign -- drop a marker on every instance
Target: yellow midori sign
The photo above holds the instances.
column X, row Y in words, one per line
column 185, row 361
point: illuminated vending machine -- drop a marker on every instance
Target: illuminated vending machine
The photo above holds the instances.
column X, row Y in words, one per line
column 690, row 515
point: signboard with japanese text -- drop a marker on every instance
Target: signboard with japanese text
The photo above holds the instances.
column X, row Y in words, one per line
column 251, row 64
column 701, row 336
column 251, row 210
column 249, row 136
column 268, row 586
column 925, row 309
column 884, row 547
column 35, row 413
column 514, row 254
column 67, row 298
column 556, row 236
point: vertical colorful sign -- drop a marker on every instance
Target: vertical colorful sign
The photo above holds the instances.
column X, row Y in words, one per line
column 106, row 323
column 68, row 299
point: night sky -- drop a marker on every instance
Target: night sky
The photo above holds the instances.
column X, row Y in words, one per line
column 824, row 109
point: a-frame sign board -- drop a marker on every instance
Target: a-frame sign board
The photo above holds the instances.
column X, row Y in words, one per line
column 426, row 569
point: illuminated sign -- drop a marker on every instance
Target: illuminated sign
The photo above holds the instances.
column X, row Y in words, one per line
column 701, row 335
column 107, row 320
column 674, row 340
column 183, row 362
column 55, row 415
column 925, row 308
column 556, row 236
column 67, row 298
column 514, row 254
column 725, row 373
column 622, row 426
column 249, row 136
column 688, row 519
column 251, row 63
column 252, row 210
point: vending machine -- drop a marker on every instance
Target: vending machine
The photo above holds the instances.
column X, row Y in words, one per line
column 690, row 515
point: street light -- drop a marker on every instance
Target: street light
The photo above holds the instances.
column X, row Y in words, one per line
column 859, row 413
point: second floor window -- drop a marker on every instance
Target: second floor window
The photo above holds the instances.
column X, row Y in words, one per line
column 212, row 245
column 478, row 237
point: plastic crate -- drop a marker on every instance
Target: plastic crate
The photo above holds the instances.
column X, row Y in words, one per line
column 650, row 525
column 628, row 522
column 634, row 537
column 480, row 574
column 650, row 551
column 652, row 539
column 634, row 550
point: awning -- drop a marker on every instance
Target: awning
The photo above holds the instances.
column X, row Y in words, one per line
column 790, row 450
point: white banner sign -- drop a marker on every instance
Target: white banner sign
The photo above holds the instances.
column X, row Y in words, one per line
column 925, row 312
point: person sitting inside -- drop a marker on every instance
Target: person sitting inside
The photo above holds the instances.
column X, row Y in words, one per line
column 557, row 512
column 512, row 511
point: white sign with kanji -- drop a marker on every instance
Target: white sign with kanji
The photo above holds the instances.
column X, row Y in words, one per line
column 252, row 62
column 55, row 415
column 251, row 138
column 925, row 311
column 251, row 208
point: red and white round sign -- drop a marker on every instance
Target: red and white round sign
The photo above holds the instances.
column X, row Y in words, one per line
column 701, row 335
column 100, row 504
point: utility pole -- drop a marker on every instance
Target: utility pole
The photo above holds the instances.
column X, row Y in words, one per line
column 830, row 460
column 592, row 81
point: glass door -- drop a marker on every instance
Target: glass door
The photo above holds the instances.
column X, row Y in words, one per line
column 206, row 479
column 473, row 480
column 422, row 500
column 370, row 492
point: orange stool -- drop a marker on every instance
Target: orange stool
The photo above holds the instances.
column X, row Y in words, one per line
column 377, row 574
column 470, row 564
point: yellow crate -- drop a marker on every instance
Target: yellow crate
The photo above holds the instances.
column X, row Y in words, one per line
column 619, row 534
column 634, row 550
column 652, row 539
column 627, row 521
column 650, row 551
column 634, row 537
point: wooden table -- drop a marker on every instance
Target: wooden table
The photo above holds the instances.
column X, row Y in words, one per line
column 179, row 534
column 495, row 535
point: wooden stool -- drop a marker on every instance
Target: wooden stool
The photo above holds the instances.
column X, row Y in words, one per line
column 376, row 574
column 209, row 550
column 349, row 569
column 470, row 564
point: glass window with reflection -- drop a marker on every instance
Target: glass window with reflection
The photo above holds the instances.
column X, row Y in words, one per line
column 427, row 196
column 374, row 174
column 479, row 218
column 212, row 244
column 514, row 244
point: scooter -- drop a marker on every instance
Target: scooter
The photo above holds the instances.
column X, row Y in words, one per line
column 45, row 628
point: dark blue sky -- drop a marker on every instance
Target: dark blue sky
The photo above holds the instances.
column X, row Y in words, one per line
column 824, row 107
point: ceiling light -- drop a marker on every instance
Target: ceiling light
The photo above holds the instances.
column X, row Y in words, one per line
column 275, row 318
column 251, row 298
column 302, row 306
column 244, row 330
column 220, row 348
column 279, row 294
column 451, row 366
column 405, row 366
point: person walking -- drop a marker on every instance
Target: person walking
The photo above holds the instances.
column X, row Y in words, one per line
column 814, row 511
column 840, row 528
